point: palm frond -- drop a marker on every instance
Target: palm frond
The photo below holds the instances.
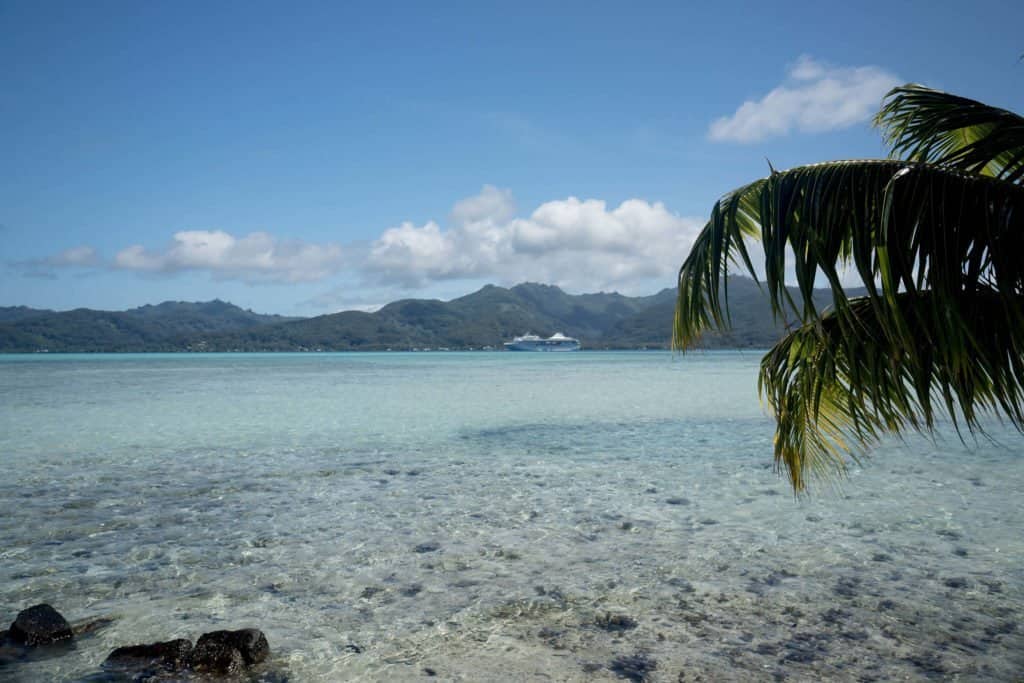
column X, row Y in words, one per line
column 921, row 124
column 911, row 226
column 703, row 277
column 842, row 381
column 935, row 240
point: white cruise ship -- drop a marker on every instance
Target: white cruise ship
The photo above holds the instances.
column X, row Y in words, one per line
column 531, row 342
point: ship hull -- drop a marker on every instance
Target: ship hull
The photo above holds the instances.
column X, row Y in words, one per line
column 543, row 345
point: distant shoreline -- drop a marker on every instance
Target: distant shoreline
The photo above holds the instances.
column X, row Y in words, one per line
column 480, row 321
column 54, row 354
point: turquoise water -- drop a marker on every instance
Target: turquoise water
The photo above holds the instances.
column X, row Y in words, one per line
column 480, row 514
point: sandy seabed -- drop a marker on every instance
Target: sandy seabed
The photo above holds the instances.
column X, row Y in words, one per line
column 385, row 519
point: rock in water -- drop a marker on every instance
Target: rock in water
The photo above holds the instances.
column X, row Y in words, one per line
column 428, row 547
column 634, row 668
column 212, row 657
column 250, row 643
column 39, row 625
column 172, row 654
column 616, row 622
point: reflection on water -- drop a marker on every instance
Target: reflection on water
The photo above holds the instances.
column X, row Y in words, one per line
column 488, row 515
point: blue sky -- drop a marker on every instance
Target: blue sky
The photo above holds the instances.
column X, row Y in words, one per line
column 309, row 157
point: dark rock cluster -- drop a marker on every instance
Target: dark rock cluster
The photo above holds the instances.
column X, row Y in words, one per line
column 171, row 655
column 218, row 653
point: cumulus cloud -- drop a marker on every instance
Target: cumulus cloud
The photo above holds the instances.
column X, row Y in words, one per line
column 580, row 244
column 490, row 204
column 576, row 243
column 258, row 256
column 815, row 97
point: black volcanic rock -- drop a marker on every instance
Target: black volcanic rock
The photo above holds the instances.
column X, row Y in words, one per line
column 172, row 655
column 39, row 625
column 218, row 653
column 216, row 657
column 250, row 643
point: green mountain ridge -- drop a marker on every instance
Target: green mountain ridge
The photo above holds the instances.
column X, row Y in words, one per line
column 482, row 319
column 168, row 326
column 10, row 314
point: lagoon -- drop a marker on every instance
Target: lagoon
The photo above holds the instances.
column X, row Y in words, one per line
column 493, row 516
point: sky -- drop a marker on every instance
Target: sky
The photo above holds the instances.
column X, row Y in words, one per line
column 309, row 157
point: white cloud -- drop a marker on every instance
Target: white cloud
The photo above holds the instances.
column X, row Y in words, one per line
column 491, row 204
column 580, row 244
column 75, row 256
column 258, row 256
column 815, row 97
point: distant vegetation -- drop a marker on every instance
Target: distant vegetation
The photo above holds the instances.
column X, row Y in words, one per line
column 483, row 319
column 170, row 326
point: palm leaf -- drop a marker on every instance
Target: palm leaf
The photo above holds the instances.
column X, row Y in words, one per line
column 938, row 252
column 909, row 226
column 843, row 380
column 927, row 125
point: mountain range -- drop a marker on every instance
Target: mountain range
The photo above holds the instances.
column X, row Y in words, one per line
column 479, row 320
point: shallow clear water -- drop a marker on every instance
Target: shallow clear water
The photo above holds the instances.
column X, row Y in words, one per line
column 480, row 515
